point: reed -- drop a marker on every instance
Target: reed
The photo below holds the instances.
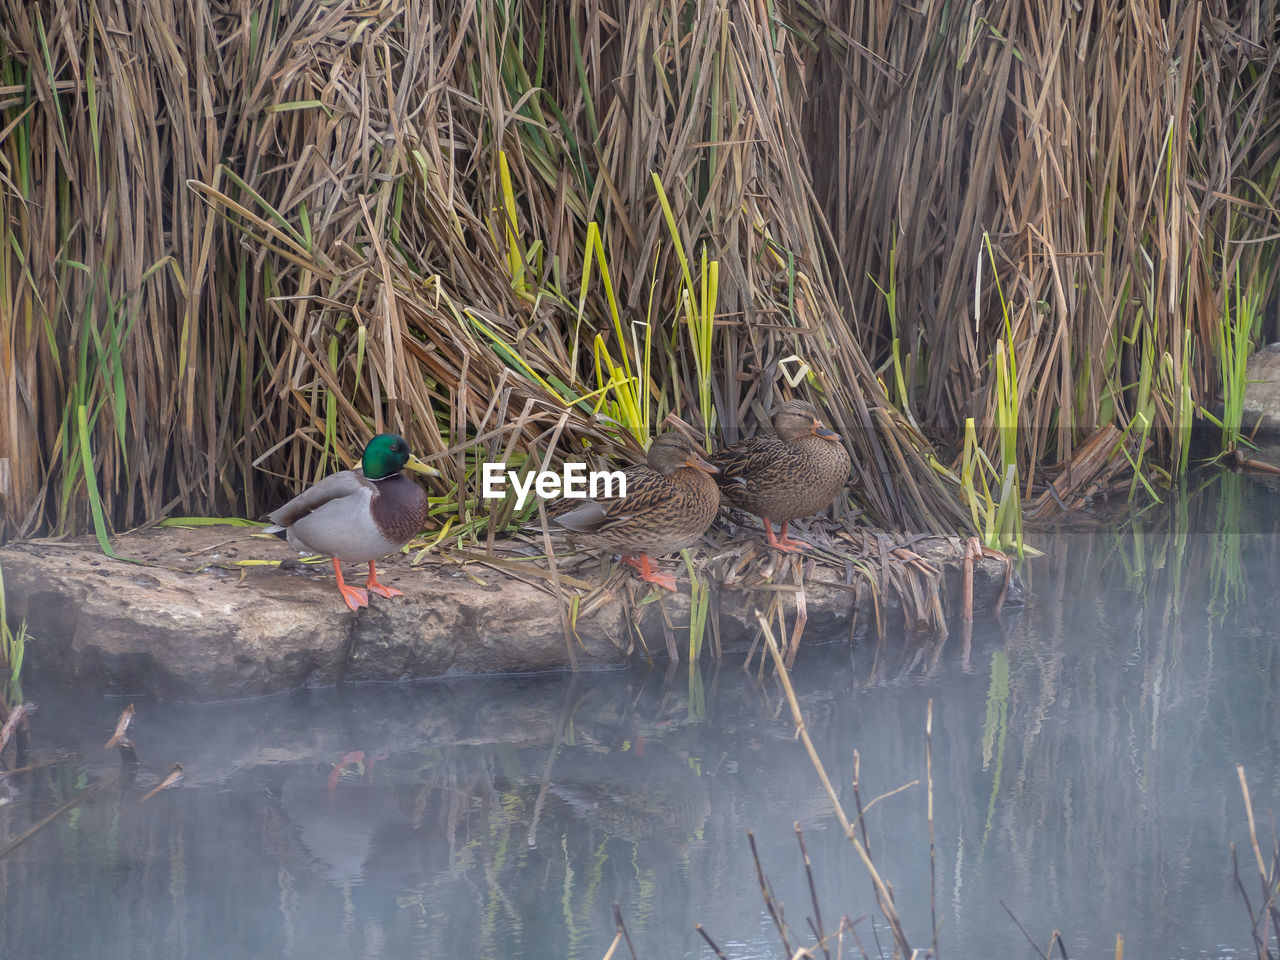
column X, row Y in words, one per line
column 1236, row 333
column 1265, row 916
column 234, row 248
column 13, row 648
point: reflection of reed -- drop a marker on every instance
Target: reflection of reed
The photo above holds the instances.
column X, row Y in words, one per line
column 81, row 796
column 1163, row 601
column 1226, row 566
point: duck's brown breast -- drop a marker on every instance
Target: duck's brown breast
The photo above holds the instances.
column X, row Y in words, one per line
column 399, row 508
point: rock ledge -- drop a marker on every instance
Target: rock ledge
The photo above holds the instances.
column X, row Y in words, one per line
column 180, row 627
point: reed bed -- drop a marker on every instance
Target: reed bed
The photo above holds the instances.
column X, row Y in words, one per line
column 241, row 239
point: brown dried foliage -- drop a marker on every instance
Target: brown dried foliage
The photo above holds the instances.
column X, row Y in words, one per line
column 244, row 238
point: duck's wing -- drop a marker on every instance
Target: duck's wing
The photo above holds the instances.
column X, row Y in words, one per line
column 333, row 487
column 746, row 457
column 584, row 517
column 646, row 489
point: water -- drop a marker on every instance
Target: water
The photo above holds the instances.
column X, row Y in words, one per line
column 1084, row 774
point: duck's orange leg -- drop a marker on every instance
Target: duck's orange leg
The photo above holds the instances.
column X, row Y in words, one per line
column 784, row 543
column 354, row 596
column 381, row 589
column 648, row 574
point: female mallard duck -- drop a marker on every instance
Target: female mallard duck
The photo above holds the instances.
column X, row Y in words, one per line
column 669, row 503
column 359, row 515
column 794, row 475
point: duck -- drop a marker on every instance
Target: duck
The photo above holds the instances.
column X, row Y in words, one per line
column 793, row 475
column 670, row 502
column 359, row 515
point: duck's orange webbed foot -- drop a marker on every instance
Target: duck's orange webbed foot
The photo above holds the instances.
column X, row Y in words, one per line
column 381, row 589
column 355, row 597
column 648, row 574
column 784, row 543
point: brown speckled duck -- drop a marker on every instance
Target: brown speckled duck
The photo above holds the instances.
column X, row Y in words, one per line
column 670, row 502
column 795, row 474
column 359, row 515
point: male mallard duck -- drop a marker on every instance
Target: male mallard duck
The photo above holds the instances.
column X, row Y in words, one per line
column 794, row 475
column 359, row 515
column 670, row 502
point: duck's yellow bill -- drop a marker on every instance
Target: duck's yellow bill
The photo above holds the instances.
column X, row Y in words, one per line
column 417, row 466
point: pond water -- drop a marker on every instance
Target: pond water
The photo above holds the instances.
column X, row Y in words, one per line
column 1084, row 780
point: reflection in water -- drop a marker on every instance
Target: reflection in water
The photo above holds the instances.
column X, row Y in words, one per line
column 1084, row 775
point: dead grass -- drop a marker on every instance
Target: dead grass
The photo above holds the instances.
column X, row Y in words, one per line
column 241, row 240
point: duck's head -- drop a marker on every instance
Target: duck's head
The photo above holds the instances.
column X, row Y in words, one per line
column 388, row 454
column 671, row 451
column 798, row 418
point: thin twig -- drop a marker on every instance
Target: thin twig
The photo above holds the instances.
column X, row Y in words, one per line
column 813, row 892
column 933, row 868
column 622, row 929
column 884, row 896
column 770, row 901
column 711, row 943
column 1024, row 932
column 74, row 802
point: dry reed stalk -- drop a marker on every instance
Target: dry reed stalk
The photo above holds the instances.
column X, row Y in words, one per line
column 1122, row 162
column 883, row 893
column 720, row 955
column 243, row 242
column 240, row 241
column 815, row 922
column 933, row 865
column 78, row 798
column 1268, row 912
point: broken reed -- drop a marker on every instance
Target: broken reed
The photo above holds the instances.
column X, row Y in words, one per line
column 222, row 271
column 13, row 648
column 1265, row 916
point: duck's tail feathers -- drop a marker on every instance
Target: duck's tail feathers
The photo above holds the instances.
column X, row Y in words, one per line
column 281, row 532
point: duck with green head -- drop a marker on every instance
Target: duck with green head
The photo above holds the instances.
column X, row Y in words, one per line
column 359, row 515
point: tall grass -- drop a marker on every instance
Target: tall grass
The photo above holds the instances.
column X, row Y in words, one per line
column 1236, row 332
column 13, row 649
column 1109, row 154
column 235, row 245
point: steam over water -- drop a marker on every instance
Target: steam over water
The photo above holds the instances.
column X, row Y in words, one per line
column 1084, row 774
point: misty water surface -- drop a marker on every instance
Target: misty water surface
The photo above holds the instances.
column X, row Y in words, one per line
column 1084, row 751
